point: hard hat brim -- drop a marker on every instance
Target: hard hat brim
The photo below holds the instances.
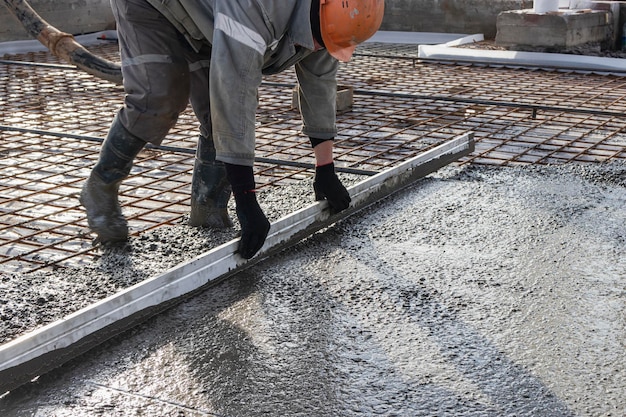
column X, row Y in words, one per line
column 342, row 54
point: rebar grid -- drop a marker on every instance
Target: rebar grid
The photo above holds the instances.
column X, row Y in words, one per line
column 53, row 119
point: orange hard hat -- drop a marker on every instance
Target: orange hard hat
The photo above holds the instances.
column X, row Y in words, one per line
column 346, row 23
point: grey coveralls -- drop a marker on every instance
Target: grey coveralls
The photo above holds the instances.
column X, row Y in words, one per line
column 214, row 53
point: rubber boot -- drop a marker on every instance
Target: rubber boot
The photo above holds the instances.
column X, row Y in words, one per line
column 99, row 195
column 210, row 190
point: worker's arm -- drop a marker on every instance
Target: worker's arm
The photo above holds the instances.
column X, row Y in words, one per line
column 317, row 79
column 239, row 43
column 317, row 76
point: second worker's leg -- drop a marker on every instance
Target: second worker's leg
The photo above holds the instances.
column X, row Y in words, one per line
column 156, row 83
column 99, row 194
column 210, row 190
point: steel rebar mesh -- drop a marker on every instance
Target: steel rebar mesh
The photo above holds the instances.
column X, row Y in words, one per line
column 53, row 119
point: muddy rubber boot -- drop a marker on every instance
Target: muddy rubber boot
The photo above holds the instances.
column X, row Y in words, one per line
column 210, row 190
column 99, row 195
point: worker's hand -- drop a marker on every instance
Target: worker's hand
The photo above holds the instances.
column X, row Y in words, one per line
column 254, row 224
column 327, row 186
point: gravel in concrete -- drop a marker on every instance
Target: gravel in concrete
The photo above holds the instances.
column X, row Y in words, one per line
column 479, row 291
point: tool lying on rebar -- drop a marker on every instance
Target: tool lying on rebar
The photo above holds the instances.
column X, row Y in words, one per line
column 63, row 44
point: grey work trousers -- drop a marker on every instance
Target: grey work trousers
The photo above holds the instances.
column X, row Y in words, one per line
column 162, row 73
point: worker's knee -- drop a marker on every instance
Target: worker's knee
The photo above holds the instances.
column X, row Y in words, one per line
column 154, row 101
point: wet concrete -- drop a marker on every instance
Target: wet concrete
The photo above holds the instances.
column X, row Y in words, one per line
column 476, row 292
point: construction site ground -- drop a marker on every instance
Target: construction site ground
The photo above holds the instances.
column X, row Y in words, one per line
column 493, row 287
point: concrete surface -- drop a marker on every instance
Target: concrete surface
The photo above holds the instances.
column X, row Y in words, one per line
column 441, row 16
column 449, row 16
column 476, row 292
column 560, row 30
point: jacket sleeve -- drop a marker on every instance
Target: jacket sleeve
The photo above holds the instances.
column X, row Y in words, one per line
column 239, row 42
column 317, row 79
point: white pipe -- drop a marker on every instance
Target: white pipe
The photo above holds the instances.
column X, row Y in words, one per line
column 585, row 63
column 447, row 51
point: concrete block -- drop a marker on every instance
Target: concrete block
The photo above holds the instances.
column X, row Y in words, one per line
column 447, row 16
column 345, row 98
column 555, row 30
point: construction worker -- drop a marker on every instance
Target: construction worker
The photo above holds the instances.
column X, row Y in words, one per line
column 213, row 53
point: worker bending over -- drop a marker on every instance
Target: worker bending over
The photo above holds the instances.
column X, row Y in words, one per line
column 213, row 53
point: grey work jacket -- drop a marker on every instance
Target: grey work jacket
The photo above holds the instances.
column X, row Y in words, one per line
column 250, row 38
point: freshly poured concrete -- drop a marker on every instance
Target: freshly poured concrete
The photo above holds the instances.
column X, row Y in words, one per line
column 476, row 292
